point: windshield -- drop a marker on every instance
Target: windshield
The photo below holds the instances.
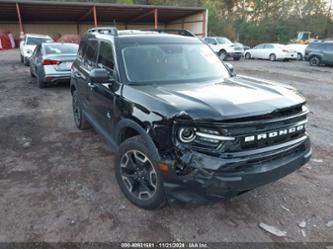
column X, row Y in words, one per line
column 36, row 41
column 172, row 63
column 61, row 48
column 223, row 40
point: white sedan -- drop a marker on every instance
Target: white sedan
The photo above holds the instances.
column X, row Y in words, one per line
column 299, row 48
column 271, row 51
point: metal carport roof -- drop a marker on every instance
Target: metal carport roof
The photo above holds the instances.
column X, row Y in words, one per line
column 80, row 12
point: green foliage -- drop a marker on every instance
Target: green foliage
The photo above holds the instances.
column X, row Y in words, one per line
column 257, row 21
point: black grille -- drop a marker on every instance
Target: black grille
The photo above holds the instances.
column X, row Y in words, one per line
column 253, row 126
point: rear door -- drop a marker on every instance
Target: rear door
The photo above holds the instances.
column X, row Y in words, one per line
column 82, row 70
column 267, row 50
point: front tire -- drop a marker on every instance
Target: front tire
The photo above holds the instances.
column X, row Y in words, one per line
column 21, row 57
column 80, row 120
column 223, row 55
column 138, row 175
column 314, row 61
column 237, row 58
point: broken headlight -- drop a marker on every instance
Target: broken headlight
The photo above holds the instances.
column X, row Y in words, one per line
column 202, row 137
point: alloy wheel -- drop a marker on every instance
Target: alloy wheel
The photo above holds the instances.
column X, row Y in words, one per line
column 314, row 61
column 138, row 175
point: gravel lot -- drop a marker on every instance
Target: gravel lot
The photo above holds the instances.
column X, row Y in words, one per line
column 57, row 183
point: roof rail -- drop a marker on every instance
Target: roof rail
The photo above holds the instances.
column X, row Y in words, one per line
column 104, row 30
column 182, row 32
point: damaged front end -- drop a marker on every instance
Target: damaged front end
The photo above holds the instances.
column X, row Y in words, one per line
column 218, row 160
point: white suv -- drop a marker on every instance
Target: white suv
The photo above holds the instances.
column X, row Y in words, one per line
column 28, row 45
column 225, row 48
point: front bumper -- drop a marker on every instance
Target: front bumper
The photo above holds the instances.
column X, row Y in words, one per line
column 235, row 54
column 214, row 178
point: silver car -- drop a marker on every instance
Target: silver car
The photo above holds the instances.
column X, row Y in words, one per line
column 52, row 62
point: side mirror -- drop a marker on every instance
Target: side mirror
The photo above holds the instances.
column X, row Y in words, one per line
column 230, row 68
column 100, row 75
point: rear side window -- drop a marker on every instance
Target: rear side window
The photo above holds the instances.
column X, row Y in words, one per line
column 269, row 47
column 315, row 45
column 105, row 56
column 91, row 53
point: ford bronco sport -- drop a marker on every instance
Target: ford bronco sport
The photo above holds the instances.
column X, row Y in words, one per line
column 182, row 125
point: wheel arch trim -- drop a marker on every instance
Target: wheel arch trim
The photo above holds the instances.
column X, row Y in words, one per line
column 128, row 123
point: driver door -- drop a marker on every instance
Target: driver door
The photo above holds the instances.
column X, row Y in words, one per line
column 102, row 95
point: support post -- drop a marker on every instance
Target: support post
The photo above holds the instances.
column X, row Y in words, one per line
column 204, row 21
column 156, row 18
column 95, row 16
column 19, row 19
column 78, row 28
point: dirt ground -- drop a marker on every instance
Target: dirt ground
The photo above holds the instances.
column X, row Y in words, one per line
column 57, row 183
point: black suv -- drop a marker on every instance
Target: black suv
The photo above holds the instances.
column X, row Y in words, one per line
column 318, row 53
column 182, row 125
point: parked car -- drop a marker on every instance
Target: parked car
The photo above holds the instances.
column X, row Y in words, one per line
column 318, row 53
column 299, row 49
column 51, row 62
column 69, row 38
column 224, row 48
column 270, row 51
column 28, row 45
column 182, row 126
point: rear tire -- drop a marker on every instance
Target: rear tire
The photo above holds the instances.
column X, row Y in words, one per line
column 21, row 57
column 272, row 57
column 237, row 58
column 31, row 74
column 80, row 120
column 25, row 61
column 138, row 175
column 248, row 56
column 315, row 61
column 299, row 57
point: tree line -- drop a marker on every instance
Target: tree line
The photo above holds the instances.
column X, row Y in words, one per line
column 256, row 21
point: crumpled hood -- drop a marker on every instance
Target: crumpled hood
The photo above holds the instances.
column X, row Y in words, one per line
column 236, row 97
